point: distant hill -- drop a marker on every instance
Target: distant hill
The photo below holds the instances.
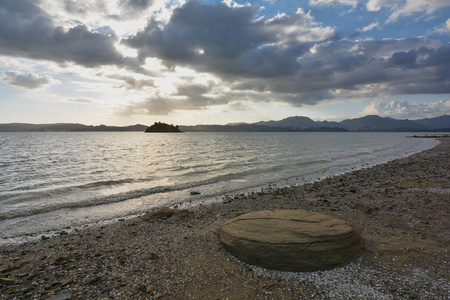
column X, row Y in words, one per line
column 293, row 122
column 17, row 127
column 367, row 123
column 296, row 124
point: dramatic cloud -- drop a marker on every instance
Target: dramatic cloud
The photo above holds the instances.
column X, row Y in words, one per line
column 229, row 40
column 406, row 110
column 154, row 57
column 346, row 68
column 288, row 58
column 27, row 31
column 27, row 80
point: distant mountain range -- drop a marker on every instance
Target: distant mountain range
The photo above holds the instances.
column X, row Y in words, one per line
column 367, row 123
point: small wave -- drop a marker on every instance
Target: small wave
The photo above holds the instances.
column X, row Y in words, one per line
column 110, row 199
column 314, row 161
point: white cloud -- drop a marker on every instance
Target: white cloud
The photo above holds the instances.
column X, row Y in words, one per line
column 352, row 3
column 28, row 81
column 410, row 7
column 371, row 27
column 406, row 110
column 376, row 5
column 444, row 28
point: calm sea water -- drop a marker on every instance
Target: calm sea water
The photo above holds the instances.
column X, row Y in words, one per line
column 55, row 180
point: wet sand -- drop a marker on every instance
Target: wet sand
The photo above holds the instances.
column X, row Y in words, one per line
column 401, row 209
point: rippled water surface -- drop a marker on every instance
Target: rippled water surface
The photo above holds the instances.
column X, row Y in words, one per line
column 51, row 180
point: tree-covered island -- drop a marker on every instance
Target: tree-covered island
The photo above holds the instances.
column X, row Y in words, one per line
column 162, row 127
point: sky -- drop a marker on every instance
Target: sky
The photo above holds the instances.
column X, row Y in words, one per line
column 187, row 62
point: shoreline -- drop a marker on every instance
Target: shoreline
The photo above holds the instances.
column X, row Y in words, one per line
column 29, row 228
column 400, row 209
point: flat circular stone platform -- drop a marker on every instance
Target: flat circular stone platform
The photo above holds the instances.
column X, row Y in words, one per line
column 291, row 240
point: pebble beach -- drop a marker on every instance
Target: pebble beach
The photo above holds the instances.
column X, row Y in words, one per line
column 401, row 210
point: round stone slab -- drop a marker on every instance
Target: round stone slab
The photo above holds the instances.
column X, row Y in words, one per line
column 291, row 240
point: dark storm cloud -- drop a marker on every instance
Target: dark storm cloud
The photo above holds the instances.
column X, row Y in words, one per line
column 229, row 41
column 27, row 31
column 290, row 57
column 364, row 68
column 26, row 81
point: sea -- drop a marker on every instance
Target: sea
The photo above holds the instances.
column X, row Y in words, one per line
column 53, row 181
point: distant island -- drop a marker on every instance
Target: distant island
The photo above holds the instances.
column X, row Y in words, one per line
column 292, row 124
column 162, row 127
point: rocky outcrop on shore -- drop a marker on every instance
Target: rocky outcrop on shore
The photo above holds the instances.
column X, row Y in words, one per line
column 291, row 240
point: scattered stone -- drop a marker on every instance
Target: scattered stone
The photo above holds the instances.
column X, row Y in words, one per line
column 60, row 260
column 153, row 256
column 291, row 240
column 18, row 264
column 44, row 237
column 61, row 297
column 8, row 281
column 146, row 288
column 67, row 282
column 94, row 279
column 364, row 208
column 142, row 287
column 61, row 273
column 193, row 193
column 8, row 269
column 157, row 296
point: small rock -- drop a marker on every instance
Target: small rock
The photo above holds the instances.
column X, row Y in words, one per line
column 44, row 237
column 142, row 287
column 157, row 296
column 8, row 281
column 67, row 282
column 193, row 193
column 364, row 208
column 60, row 260
column 8, row 269
column 61, row 297
column 153, row 256
column 61, row 273
column 94, row 279
column 18, row 264
column 150, row 288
